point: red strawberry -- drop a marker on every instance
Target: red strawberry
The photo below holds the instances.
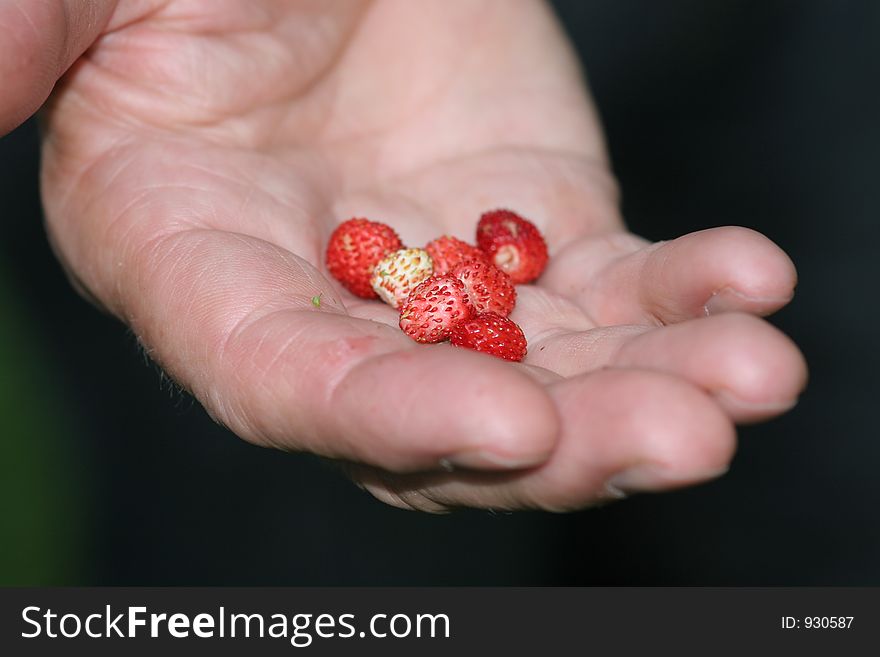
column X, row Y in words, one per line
column 398, row 273
column 492, row 334
column 353, row 251
column 434, row 307
column 513, row 244
column 489, row 288
column 448, row 251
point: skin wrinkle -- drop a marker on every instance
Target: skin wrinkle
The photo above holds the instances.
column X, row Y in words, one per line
column 35, row 33
column 540, row 375
column 253, row 318
column 182, row 24
column 207, row 234
column 263, row 371
column 410, row 492
column 652, row 270
column 130, row 12
column 594, row 340
column 329, row 384
column 147, row 260
column 630, row 332
column 256, row 378
column 388, row 489
column 252, row 187
column 283, row 238
column 541, row 157
column 85, row 20
column 115, row 298
column 273, row 53
column 600, row 297
column 538, row 154
column 556, row 312
column 159, row 95
column 429, row 491
column 66, row 53
column 91, row 112
column 251, row 191
column 120, row 154
column 302, row 88
column 243, row 322
column 538, row 340
column 573, row 288
column 76, row 187
column 151, row 119
column 161, row 231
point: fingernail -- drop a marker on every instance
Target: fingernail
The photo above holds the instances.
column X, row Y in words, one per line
column 611, row 492
column 650, row 477
column 728, row 300
column 485, row 460
column 757, row 409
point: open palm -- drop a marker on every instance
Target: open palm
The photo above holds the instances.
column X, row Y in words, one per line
column 200, row 153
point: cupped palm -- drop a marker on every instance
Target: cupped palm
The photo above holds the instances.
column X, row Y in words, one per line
column 198, row 156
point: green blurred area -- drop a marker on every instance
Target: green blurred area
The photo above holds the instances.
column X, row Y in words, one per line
column 42, row 499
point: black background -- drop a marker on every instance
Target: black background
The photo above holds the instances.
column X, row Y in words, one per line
column 756, row 113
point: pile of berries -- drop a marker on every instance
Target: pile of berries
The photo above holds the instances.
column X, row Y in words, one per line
column 449, row 290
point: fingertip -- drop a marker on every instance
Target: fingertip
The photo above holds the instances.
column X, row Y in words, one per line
column 680, row 424
column 426, row 407
column 717, row 270
column 753, row 274
column 761, row 369
column 695, row 442
column 670, row 433
column 506, row 419
column 38, row 42
column 28, row 58
column 751, row 368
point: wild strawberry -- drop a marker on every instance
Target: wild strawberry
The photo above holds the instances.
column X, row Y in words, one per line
column 354, row 249
column 489, row 288
column 492, row 334
column 513, row 244
column 448, row 251
column 434, row 307
column 398, row 273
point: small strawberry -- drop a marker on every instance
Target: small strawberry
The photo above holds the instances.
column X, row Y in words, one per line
column 353, row 251
column 434, row 307
column 489, row 288
column 492, row 334
column 448, row 251
column 513, row 244
column 398, row 273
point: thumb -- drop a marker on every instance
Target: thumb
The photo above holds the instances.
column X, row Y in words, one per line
column 39, row 40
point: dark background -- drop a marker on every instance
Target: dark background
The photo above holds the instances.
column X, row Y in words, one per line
column 756, row 113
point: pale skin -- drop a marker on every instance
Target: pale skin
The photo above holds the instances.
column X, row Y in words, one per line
column 199, row 153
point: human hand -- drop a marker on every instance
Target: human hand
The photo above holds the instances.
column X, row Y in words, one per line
column 198, row 156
